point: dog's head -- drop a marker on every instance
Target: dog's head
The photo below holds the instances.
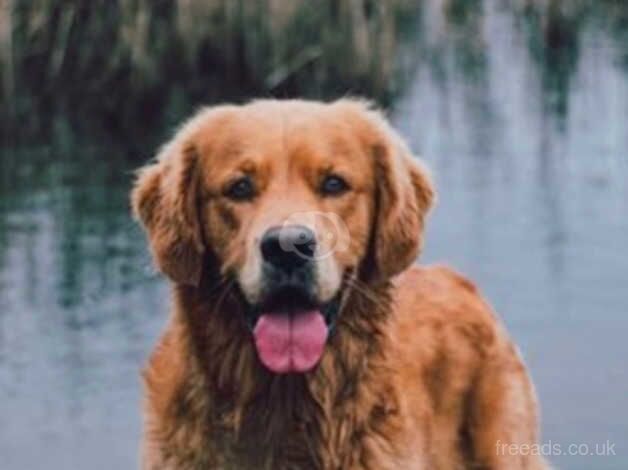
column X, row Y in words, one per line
column 291, row 198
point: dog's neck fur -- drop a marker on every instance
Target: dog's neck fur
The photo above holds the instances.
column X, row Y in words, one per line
column 262, row 420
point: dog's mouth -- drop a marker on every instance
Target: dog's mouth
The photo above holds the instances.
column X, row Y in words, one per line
column 290, row 329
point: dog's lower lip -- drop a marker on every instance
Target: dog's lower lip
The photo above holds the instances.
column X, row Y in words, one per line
column 328, row 309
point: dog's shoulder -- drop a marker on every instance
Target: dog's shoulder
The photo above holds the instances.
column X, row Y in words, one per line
column 438, row 292
column 440, row 313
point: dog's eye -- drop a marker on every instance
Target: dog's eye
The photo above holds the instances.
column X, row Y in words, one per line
column 241, row 189
column 333, row 185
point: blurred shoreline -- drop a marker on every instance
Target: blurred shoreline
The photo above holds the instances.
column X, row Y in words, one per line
column 125, row 63
column 121, row 67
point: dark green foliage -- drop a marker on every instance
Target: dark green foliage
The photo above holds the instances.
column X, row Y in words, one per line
column 127, row 65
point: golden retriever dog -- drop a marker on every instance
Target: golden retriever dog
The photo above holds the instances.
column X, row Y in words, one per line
column 300, row 337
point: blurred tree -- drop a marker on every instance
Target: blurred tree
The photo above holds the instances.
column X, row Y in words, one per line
column 128, row 65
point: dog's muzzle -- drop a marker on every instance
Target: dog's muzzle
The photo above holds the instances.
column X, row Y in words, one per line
column 290, row 325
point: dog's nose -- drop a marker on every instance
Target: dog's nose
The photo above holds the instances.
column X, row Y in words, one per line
column 288, row 247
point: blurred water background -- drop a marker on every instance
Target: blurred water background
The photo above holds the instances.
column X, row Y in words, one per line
column 519, row 106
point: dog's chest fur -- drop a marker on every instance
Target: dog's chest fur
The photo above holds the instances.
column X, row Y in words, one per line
column 235, row 415
column 293, row 430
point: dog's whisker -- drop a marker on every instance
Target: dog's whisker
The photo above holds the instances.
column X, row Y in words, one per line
column 227, row 290
column 346, row 295
column 220, row 284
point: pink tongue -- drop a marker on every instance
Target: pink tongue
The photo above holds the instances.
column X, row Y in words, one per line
column 290, row 343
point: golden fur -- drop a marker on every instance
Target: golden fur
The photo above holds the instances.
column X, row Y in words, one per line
column 418, row 374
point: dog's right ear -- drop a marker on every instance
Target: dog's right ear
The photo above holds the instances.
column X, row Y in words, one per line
column 164, row 200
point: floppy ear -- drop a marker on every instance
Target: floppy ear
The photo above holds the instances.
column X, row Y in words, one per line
column 404, row 194
column 164, row 200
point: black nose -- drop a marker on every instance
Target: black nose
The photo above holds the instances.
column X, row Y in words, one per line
column 288, row 247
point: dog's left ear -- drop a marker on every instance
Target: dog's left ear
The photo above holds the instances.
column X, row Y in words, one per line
column 404, row 194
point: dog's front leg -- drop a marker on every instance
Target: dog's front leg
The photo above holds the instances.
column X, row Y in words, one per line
column 503, row 421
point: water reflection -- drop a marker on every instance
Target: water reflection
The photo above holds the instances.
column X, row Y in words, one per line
column 78, row 305
column 521, row 109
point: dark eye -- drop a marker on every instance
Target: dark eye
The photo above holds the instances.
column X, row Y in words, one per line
column 333, row 185
column 241, row 189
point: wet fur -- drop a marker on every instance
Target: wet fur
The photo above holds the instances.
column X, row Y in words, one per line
column 418, row 374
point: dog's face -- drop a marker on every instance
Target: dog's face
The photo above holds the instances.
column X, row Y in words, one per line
column 286, row 200
column 292, row 198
